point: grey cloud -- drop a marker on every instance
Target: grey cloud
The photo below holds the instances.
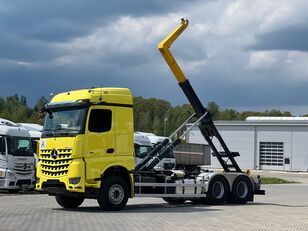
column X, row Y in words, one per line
column 258, row 90
column 292, row 37
column 60, row 20
column 30, row 28
column 17, row 48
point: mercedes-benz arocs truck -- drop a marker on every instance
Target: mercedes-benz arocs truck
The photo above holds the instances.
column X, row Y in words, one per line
column 87, row 151
column 16, row 157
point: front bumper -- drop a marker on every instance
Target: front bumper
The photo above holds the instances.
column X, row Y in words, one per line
column 53, row 183
column 13, row 180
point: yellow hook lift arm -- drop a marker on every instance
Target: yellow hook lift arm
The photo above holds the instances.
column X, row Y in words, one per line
column 164, row 46
column 207, row 126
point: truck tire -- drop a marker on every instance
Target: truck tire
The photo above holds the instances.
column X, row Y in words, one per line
column 174, row 200
column 69, row 202
column 218, row 191
column 241, row 190
column 113, row 194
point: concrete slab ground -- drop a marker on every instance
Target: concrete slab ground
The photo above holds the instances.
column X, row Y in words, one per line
column 285, row 207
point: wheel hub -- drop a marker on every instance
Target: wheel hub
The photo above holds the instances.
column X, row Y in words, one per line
column 116, row 194
column 242, row 189
column 218, row 190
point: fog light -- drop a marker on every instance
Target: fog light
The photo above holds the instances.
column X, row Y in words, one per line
column 74, row 180
column 11, row 175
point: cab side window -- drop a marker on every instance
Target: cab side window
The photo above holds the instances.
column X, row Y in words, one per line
column 2, row 145
column 100, row 120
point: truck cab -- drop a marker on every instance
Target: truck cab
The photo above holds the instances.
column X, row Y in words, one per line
column 35, row 131
column 144, row 144
column 88, row 135
column 16, row 157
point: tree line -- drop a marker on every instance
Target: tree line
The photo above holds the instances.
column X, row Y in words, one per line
column 16, row 109
column 159, row 117
column 150, row 115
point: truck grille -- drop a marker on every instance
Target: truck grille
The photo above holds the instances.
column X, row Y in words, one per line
column 23, row 168
column 58, row 166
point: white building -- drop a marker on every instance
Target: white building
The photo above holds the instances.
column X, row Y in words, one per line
column 272, row 143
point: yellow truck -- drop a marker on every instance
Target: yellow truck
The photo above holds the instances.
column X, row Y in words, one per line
column 87, row 151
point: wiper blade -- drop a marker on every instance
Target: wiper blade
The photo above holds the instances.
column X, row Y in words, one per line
column 73, row 129
column 66, row 131
column 46, row 130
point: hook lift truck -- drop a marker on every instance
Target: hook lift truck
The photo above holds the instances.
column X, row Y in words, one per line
column 87, row 151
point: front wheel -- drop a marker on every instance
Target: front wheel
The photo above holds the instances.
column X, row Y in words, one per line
column 69, row 202
column 113, row 194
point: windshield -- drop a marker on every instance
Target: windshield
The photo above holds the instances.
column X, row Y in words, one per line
column 142, row 151
column 19, row 146
column 67, row 121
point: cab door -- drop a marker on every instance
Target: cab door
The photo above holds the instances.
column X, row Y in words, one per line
column 99, row 140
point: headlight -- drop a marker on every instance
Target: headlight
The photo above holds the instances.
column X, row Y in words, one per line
column 2, row 173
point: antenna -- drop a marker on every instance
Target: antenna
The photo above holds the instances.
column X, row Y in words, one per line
column 90, row 89
column 101, row 97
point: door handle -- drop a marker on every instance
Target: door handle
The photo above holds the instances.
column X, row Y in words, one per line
column 110, row 150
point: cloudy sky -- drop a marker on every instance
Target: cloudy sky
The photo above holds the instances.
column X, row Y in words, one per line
column 248, row 55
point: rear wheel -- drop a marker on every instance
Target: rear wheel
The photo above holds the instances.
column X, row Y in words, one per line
column 174, row 200
column 113, row 194
column 218, row 191
column 241, row 190
column 69, row 202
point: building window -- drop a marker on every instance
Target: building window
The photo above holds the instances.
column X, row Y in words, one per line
column 271, row 153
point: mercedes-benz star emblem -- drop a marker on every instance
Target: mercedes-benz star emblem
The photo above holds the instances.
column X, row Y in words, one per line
column 24, row 166
column 54, row 154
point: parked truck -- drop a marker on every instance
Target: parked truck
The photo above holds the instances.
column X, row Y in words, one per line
column 144, row 143
column 16, row 157
column 87, row 146
column 35, row 131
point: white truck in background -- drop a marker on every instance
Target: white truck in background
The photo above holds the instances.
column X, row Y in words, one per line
column 17, row 170
column 144, row 143
column 35, row 131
